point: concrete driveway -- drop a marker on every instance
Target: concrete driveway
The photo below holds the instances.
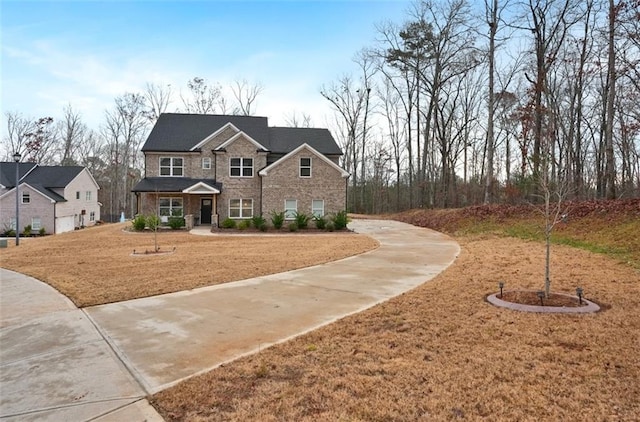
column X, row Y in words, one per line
column 60, row 363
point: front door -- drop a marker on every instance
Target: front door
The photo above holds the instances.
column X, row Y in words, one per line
column 206, row 205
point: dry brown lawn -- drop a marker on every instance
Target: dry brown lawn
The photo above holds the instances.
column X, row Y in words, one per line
column 96, row 266
column 440, row 352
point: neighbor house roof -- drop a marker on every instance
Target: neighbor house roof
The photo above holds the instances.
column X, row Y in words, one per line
column 53, row 176
column 41, row 178
column 172, row 184
column 175, row 132
column 8, row 172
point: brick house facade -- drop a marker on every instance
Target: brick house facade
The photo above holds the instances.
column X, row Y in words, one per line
column 210, row 167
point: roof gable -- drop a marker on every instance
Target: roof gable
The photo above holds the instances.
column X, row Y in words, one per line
column 238, row 136
column 214, row 134
column 41, row 190
column 201, row 188
column 265, row 171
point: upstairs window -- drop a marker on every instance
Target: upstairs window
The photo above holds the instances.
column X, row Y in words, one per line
column 87, row 196
column 26, row 198
column 241, row 167
column 206, row 163
column 78, row 194
column 305, row 167
column 171, row 166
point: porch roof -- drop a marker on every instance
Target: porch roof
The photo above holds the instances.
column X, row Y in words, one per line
column 177, row 184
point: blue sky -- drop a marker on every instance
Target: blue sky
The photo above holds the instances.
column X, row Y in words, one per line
column 86, row 53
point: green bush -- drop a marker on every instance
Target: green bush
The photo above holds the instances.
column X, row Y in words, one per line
column 244, row 224
column 340, row 220
column 228, row 223
column 258, row 221
column 139, row 223
column 176, row 222
column 10, row 233
column 277, row 219
column 27, row 230
column 321, row 223
column 329, row 226
column 302, row 219
column 42, row 231
column 153, row 221
column 293, row 227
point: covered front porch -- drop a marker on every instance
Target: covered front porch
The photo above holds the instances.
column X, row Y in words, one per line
column 195, row 200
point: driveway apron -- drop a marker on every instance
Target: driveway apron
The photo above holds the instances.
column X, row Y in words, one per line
column 55, row 365
column 168, row 338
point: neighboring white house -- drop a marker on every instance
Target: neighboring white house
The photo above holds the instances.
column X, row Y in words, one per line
column 56, row 198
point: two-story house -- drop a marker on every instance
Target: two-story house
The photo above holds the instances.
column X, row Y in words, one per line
column 212, row 167
column 54, row 198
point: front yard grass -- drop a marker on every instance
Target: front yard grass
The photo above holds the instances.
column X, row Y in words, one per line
column 95, row 265
column 440, row 352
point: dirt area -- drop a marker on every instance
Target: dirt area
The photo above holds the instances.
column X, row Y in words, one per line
column 532, row 298
column 440, row 352
column 97, row 265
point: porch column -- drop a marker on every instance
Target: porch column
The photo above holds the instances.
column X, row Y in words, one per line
column 214, row 211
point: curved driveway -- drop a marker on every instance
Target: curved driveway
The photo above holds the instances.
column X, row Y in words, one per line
column 164, row 339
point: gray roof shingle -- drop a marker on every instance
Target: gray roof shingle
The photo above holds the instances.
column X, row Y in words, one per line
column 53, row 176
column 286, row 139
column 181, row 132
column 171, row 184
column 8, row 172
column 175, row 132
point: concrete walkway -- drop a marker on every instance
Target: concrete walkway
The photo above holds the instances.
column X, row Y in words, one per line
column 55, row 365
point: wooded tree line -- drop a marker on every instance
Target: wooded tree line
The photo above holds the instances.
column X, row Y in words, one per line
column 461, row 103
column 466, row 103
column 112, row 151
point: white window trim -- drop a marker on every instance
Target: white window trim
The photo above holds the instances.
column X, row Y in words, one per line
column 35, row 226
column 206, row 163
column 286, row 217
column 170, row 198
column 92, row 216
column 242, row 167
column 242, row 216
column 87, row 196
column 171, row 167
column 312, row 209
column 25, row 195
column 310, row 167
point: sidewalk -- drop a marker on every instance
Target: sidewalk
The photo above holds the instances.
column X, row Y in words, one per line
column 56, row 365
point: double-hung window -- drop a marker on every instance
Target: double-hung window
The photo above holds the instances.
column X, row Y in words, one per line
column 92, row 216
column 305, row 167
column 241, row 167
column 87, row 196
column 171, row 166
column 170, row 207
column 240, row 208
column 206, row 163
column 36, row 223
column 290, row 208
column 317, row 207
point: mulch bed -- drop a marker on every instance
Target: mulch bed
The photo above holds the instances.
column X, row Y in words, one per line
column 531, row 298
